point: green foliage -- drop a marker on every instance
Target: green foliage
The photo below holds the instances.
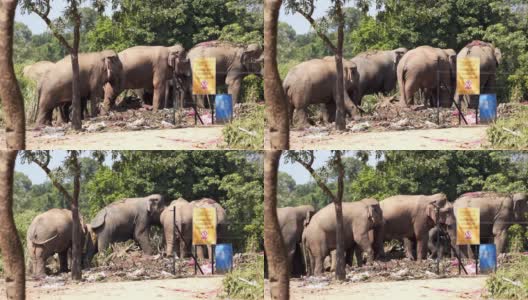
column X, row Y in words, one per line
column 412, row 23
column 247, row 130
column 22, row 222
column 510, row 133
column 517, row 239
column 516, row 285
column 251, row 271
column 416, row 172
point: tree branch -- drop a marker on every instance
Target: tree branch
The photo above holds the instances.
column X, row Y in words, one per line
column 48, row 172
column 317, row 178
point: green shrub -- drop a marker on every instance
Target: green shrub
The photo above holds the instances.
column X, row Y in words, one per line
column 510, row 133
column 516, row 238
column 246, row 281
column 252, row 89
column 22, row 222
column 246, row 132
column 511, row 280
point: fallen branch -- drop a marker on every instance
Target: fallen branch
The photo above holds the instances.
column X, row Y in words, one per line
column 247, row 131
column 511, row 131
column 247, row 281
column 516, row 283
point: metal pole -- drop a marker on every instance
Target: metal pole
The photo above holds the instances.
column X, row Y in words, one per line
column 477, row 259
column 195, row 261
column 213, row 250
column 438, row 91
column 437, row 240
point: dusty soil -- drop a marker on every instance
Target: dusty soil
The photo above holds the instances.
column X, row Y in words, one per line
column 431, row 289
column 461, row 138
column 208, row 287
column 208, row 137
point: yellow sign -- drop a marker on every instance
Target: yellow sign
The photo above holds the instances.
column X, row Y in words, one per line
column 468, row 76
column 204, row 75
column 204, row 226
column 468, row 226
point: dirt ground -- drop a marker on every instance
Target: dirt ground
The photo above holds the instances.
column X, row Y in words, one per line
column 207, row 137
column 208, row 287
column 461, row 138
column 431, row 289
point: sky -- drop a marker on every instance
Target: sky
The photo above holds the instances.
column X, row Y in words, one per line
column 297, row 21
column 299, row 173
column 35, row 173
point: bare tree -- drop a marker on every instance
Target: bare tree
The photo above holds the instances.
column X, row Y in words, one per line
column 273, row 243
column 306, row 8
column 12, row 100
column 43, row 8
column 276, row 102
column 307, row 159
column 42, row 159
column 10, row 246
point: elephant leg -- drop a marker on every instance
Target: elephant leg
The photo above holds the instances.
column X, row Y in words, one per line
column 329, row 113
column 499, row 239
column 421, row 247
column 302, row 117
column 333, row 259
column 159, row 94
column 200, row 253
column 408, row 246
column 93, row 106
column 40, row 262
column 233, row 88
column 359, row 255
column 318, row 265
column 63, row 261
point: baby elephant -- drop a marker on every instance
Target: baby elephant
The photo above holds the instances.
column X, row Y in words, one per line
column 50, row 233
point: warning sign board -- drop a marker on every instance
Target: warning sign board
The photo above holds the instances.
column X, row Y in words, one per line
column 204, row 75
column 468, row 226
column 204, row 226
column 468, row 76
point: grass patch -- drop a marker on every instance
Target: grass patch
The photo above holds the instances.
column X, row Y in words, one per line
column 510, row 133
column 246, row 132
column 511, row 280
column 246, row 281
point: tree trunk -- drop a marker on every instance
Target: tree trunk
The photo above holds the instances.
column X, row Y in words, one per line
column 76, row 101
column 76, row 230
column 340, row 95
column 276, row 102
column 340, row 249
column 273, row 242
column 10, row 95
column 10, row 246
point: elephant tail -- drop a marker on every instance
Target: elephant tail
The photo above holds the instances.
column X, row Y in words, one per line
column 401, row 80
column 41, row 243
column 306, row 255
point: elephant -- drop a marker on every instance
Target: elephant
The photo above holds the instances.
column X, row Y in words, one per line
column 410, row 217
column 37, row 70
column 292, row 221
column 490, row 59
column 129, row 218
column 314, row 82
column 149, row 67
column 319, row 237
column 377, row 72
column 497, row 213
column 221, row 223
column 233, row 64
column 95, row 70
column 49, row 233
column 183, row 213
column 419, row 69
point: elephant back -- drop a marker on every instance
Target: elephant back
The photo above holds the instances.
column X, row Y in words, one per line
column 99, row 219
column 50, row 225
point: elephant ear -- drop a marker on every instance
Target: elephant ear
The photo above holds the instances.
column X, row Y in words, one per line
column 99, row 219
column 250, row 54
column 398, row 54
column 498, row 56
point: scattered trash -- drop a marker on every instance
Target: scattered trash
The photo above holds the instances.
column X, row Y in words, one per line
column 360, row 127
column 253, row 283
column 96, row 127
column 358, row 277
column 516, row 283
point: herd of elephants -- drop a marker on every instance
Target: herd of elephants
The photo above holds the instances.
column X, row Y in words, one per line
column 413, row 219
column 156, row 69
column 427, row 69
column 50, row 233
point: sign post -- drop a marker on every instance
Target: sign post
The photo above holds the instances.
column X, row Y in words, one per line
column 468, row 228
column 204, row 229
column 468, row 78
column 204, row 79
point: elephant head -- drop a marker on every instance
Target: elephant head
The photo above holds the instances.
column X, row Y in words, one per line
column 375, row 214
column 154, row 206
column 498, row 56
column 252, row 58
column 113, row 67
column 398, row 54
column 438, row 201
column 178, row 61
column 520, row 206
